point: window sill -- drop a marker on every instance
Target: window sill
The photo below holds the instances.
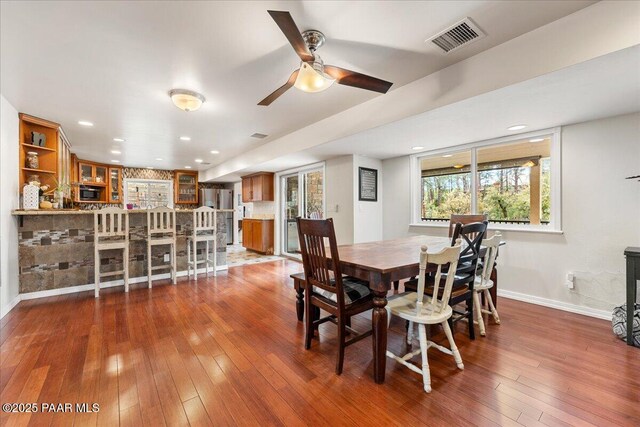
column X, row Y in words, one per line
column 495, row 227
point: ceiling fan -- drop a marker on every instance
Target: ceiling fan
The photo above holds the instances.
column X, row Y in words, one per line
column 313, row 75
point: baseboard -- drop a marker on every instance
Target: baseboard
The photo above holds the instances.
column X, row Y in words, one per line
column 103, row 285
column 558, row 305
column 7, row 308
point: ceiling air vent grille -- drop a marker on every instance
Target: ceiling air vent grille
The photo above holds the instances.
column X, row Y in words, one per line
column 458, row 35
column 259, row 135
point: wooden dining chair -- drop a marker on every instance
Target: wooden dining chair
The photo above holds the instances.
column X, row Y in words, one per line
column 326, row 288
column 471, row 236
column 465, row 219
column 417, row 308
column 483, row 282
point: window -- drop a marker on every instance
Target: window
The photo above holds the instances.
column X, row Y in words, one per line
column 515, row 181
column 148, row 193
column 446, row 186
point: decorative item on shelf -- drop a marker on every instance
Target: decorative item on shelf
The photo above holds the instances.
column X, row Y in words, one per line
column 58, row 192
column 34, row 180
column 30, row 196
column 38, row 139
column 32, row 160
column 98, row 178
column 45, row 204
column 55, row 205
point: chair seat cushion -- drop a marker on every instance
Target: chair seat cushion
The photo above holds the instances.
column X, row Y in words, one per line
column 354, row 290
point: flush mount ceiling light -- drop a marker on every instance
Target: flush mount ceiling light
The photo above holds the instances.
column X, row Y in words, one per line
column 536, row 140
column 118, row 139
column 215, row 152
column 185, row 138
column 85, row 123
column 198, row 160
column 186, row 100
column 516, row 127
column 418, row 147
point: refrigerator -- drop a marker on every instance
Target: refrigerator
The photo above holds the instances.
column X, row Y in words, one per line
column 220, row 199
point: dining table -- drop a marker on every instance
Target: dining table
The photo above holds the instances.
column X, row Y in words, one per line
column 382, row 264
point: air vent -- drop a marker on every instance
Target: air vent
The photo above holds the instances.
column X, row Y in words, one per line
column 259, row 135
column 458, row 35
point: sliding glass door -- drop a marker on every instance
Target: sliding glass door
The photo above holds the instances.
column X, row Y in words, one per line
column 302, row 194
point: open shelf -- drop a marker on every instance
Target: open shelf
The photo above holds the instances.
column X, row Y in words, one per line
column 38, row 170
column 38, row 148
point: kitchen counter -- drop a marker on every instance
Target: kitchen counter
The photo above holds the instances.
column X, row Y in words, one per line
column 56, row 249
column 32, row 212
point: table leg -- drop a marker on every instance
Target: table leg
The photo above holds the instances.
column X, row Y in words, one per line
column 632, row 289
column 494, row 289
column 379, row 323
column 300, row 303
column 396, row 285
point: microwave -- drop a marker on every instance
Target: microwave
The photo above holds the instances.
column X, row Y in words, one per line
column 89, row 194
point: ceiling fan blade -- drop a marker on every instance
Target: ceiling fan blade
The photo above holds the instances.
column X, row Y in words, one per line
column 291, row 31
column 282, row 89
column 352, row 78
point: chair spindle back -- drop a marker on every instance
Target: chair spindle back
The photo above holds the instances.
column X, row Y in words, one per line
column 448, row 257
column 161, row 221
column 110, row 222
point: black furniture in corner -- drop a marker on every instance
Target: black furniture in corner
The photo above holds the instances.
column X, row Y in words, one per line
column 633, row 275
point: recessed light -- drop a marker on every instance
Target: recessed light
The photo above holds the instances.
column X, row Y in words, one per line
column 85, row 123
column 516, row 127
column 187, row 167
column 118, row 139
column 149, row 167
column 447, row 155
column 418, row 147
column 185, row 138
column 536, row 140
column 115, row 161
column 115, row 152
column 158, row 158
column 215, row 152
column 198, row 160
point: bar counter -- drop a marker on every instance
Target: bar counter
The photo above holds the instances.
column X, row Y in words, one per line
column 56, row 248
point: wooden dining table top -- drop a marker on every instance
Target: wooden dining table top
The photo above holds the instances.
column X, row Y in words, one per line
column 386, row 256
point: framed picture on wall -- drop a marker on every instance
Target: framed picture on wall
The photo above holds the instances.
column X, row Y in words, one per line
column 367, row 185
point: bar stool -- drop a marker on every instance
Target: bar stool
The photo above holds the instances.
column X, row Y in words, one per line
column 161, row 230
column 110, row 231
column 204, row 222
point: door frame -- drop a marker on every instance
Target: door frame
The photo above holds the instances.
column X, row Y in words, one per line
column 280, row 196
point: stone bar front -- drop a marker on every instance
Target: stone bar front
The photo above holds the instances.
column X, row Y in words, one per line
column 56, row 248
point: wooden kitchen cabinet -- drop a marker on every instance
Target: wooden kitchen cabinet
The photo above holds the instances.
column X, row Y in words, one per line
column 115, row 184
column 258, row 187
column 257, row 235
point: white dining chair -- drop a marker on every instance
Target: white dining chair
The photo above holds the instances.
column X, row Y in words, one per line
column 204, row 230
column 110, row 231
column 483, row 283
column 419, row 309
column 161, row 230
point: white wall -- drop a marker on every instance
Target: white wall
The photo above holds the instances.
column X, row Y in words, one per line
column 339, row 196
column 601, row 216
column 9, row 200
column 367, row 216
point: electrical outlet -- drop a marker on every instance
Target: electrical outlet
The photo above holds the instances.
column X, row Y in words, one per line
column 167, row 257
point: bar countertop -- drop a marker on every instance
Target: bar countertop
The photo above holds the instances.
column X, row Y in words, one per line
column 33, row 212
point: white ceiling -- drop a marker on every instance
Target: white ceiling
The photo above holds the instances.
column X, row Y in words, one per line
column 112, row 63
column 602, row 87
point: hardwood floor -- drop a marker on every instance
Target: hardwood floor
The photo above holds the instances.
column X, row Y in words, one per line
column 229, row 351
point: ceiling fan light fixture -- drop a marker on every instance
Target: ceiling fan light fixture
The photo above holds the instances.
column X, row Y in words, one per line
column 312, row 78
column 186, row 100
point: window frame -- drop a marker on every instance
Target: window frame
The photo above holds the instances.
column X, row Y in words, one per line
column 555, row 223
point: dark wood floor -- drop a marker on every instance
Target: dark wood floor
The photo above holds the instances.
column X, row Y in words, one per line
column 229, row 350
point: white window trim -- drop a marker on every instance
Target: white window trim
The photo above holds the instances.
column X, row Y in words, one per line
column 555, row 224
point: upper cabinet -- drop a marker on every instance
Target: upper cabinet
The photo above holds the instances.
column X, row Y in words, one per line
column 258, row 187
column 115, row 184
column 186, row 187
column 39, row 142
column 93, row 173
